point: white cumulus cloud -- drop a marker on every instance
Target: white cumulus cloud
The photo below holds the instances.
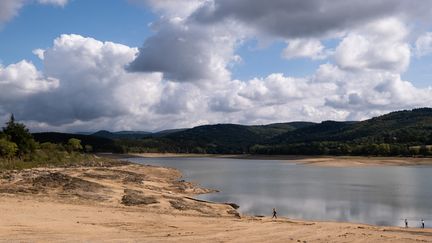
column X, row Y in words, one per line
column 309, row 48
column 22, row 79
column 380, row 45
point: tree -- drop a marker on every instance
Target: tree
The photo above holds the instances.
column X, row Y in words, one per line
column 74, row 144
column 7, row 149
column 20, row 135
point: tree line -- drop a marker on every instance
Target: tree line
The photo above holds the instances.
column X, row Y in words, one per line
column 16, row 142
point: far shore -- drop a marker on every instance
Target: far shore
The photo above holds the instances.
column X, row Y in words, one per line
column 324, row 161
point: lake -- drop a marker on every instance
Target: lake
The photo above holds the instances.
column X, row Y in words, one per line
column 372, row 195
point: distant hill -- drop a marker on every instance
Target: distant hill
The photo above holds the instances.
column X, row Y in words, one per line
column 409, row 126
column 407, row 132
column 396, row 133
column 219, row 138
column 133, row 134
column 390, row 134
column 167, row 132
column 121, row 134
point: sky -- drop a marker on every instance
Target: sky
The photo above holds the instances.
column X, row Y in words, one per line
column 86, row 65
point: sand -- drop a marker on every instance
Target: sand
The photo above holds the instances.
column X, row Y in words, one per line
column 135, row 203
column 324, row 161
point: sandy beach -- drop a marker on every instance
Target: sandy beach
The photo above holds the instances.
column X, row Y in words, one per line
column 131, row 202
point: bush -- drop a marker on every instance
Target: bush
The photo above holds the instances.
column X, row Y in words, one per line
column 74, row 144
column 8, row 149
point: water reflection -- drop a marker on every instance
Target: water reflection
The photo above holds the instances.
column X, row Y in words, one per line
column 375, row 195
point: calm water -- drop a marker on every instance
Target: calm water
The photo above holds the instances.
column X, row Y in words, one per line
column 375, row 195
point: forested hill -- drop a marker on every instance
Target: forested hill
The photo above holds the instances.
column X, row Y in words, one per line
column 397, row 127
column 230, row 138
column 398, row 133
column 220, row 138
column 133, row 134
column 406, row 132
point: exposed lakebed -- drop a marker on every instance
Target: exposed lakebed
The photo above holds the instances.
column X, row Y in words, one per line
column 373, row 195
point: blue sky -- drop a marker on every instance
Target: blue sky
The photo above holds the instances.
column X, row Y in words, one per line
column 420, row 72
column 260, row 61
column 38, row 25
column 210, row 61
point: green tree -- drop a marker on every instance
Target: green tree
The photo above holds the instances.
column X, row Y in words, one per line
column 75, row 144
column 20, row 135
column 7, row 149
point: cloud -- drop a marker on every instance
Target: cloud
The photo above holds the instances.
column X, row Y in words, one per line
column 90, row 76
column 179, row 99
column 171, row 8
column 368, row 93
column 200, row 46
column 22, row 79
column 40, row 53
column 10, row 8
column 304, row 19
column 85, row 87
column 309, row 48
column 379, row 45
column 423, row 45
column 61, row 3
column 341, row 95
column 187, row 53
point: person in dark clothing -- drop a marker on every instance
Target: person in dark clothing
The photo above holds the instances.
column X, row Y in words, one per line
column 406, row 223
column 422, row 221
column 274, row 213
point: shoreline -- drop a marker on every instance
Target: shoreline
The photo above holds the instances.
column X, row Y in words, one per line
column 322, row 161
column 147, row 203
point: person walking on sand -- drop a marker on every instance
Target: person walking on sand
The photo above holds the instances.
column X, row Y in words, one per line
column 274, row 213
column 406, row 223
column 422, row 221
